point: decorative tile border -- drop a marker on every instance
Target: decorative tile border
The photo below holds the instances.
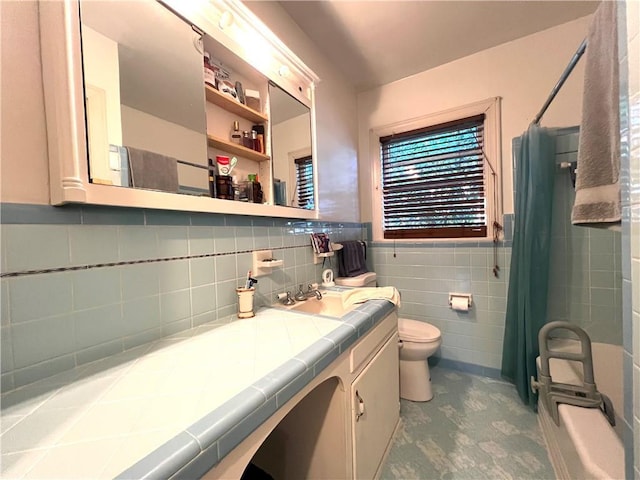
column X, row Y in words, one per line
column 132, row 262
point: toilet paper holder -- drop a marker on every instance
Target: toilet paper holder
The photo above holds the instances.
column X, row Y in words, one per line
column 466, row 296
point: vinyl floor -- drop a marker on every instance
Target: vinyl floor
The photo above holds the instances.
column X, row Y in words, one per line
column 474, row 428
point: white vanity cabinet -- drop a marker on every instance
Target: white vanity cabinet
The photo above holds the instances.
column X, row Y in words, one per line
column 322, row 432
column 375, row 404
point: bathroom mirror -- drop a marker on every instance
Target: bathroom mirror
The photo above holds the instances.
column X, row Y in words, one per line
column 293, row 184
column 129, row 74
column 144, row 97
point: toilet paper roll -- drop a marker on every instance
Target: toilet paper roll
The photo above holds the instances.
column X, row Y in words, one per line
column 460, row 304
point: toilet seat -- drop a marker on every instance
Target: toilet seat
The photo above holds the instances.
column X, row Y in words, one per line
column 418, row 332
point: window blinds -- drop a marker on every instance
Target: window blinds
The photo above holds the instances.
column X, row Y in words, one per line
column 433, row 181
column 304, row 182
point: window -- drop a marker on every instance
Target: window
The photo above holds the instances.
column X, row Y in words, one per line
column 304, row 183
column 437, row 181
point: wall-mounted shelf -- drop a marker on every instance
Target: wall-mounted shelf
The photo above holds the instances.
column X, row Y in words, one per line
column 263, row 262
column 230, row 105
column 319, row 257
column 236, row 149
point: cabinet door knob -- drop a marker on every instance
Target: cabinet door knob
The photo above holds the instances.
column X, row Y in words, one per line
column 360, row 406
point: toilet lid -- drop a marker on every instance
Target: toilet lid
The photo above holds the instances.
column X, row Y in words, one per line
column 416, row 331
column 359, row 281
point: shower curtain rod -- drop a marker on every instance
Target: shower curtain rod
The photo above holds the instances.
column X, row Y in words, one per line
column 563, row 78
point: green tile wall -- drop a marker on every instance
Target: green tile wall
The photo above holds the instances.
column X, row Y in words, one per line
column 425, row 274
column 68, row 295
column 585, row 279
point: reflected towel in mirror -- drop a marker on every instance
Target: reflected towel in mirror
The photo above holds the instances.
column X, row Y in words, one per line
column 152, row 170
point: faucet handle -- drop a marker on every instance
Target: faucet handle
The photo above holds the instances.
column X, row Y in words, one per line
column 285, row 298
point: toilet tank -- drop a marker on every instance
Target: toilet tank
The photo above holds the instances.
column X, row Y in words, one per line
column 364, row 280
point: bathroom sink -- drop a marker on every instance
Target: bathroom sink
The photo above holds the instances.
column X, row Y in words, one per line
column 330, row 305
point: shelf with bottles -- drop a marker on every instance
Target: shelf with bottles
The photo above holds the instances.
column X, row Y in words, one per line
column 235, row 149
column 230, row 105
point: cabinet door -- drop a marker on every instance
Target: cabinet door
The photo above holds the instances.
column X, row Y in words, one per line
column 375, row 409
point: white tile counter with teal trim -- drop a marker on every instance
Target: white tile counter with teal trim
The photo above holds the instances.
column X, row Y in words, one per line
column 175, row 407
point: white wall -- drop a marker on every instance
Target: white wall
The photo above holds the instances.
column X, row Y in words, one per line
column 522, row 72
column 24, row 168
column 288, row 138
column 336, row 116
column 147, row 132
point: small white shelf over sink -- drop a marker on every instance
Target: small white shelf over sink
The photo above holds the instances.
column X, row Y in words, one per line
column 263, row 262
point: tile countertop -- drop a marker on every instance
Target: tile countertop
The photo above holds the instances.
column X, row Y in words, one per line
column 174, row 407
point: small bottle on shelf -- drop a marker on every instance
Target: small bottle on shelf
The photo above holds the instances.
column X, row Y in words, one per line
column 254, row 141
column 260, row 134
column 236, row 135
column 246, row 140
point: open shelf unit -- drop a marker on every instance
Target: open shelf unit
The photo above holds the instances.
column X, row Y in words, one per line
column 230, row 105
column 235, row 149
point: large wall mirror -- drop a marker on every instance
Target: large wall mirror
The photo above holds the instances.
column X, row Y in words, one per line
column 131, row 120
column 291, row 150
column 144, row 97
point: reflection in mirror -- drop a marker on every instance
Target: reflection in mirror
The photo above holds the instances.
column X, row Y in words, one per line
column 291, row 150
column 144, row 95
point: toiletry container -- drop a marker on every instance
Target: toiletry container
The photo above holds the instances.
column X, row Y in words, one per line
column 236, row 134
column 418, row 340
column 252, row 99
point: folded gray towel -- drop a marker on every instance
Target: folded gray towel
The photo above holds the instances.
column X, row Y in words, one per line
column 597, row 200
column 153, row 170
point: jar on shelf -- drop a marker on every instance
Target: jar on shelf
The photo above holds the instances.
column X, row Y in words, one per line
column 254, row 141
column 246, row 140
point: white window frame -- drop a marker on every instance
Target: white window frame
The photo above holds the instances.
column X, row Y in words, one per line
column 493, row 151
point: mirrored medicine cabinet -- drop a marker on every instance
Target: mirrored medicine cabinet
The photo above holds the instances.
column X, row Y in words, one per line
column 132, row 121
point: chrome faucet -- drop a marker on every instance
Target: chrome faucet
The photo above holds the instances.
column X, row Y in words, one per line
column 313, row 291
column 301, row 295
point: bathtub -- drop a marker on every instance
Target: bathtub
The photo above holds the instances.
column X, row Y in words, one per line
column 585, row 446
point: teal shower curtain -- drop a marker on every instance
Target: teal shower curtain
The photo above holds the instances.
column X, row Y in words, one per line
column 528, row 277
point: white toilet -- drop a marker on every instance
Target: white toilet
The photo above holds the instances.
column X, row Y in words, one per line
column 419, row 340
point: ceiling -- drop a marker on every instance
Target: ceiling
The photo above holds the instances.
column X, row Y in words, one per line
column 378, row 42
